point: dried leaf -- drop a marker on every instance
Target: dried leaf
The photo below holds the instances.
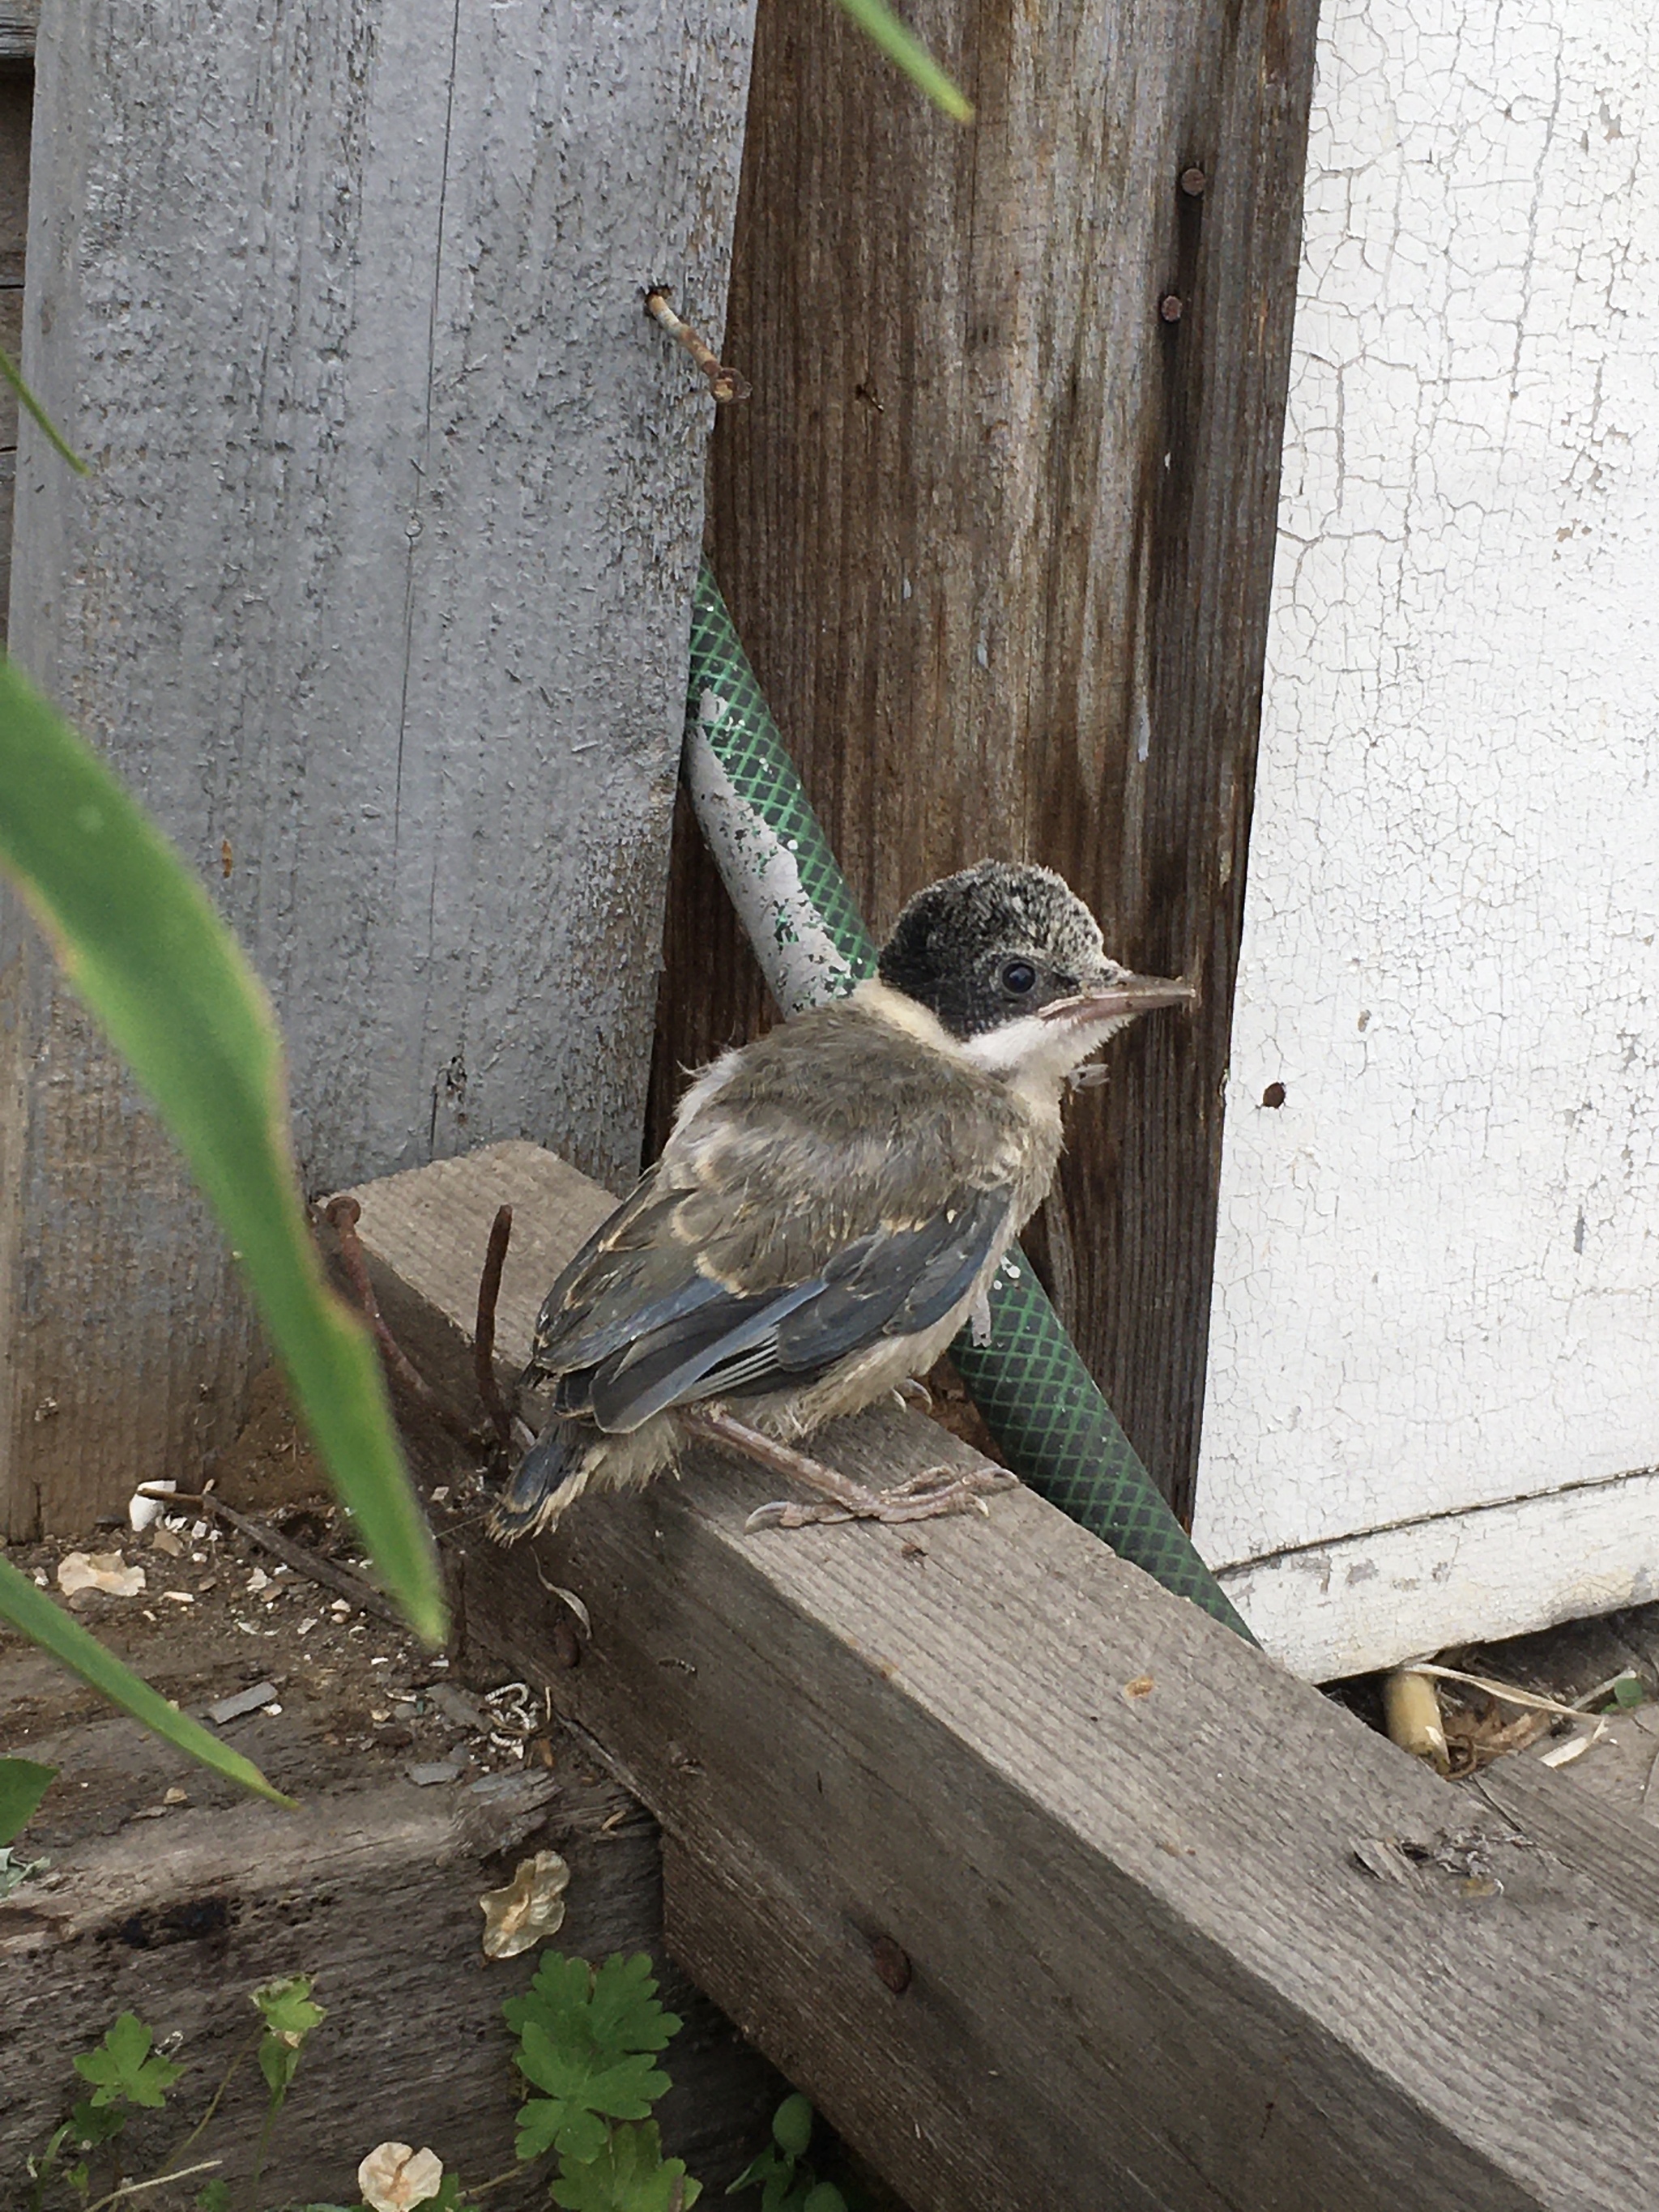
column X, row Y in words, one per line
column 99, row 1571
column 395, row 2178
column 531, row 1906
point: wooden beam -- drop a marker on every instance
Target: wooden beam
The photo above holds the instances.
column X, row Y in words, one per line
column 1051, row 1892
column 378, row 594
column 20, row 25
column 374, row 1890
column 998, row 537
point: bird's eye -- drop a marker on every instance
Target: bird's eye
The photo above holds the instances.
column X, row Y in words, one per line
column 1019, row 977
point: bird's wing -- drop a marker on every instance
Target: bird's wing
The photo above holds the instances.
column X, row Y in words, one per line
column 777, row 1236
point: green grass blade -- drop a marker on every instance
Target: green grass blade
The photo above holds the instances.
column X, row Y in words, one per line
column 902, row 46
column 60, row 444
column 140, row 941
column 54, row 1631
column 23, row 1783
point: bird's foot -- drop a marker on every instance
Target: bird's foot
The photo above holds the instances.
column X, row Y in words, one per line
column 911, row 1392
column 935, row 1490
column 924, row 1497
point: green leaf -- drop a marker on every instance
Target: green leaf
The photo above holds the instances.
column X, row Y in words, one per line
column 792, row 2126
column 558, row 1995
column 1627, row 1692
column 287, row 2009
column 141, row 943
column 765, row 2167
column 544, row 2122
column 579, row 2083
column 902, row 46
column 629, row 2174
column 14, row 376
column 90, row 2123
column 215, row 2196
column 22, row 1785
column 448, row 2198
column 56, row 1632
column 623, row 2011
column 289, row 2016
column 826, row 2197
column 123, row 2069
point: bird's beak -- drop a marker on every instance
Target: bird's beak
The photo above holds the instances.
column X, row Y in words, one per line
column 1119, row 1000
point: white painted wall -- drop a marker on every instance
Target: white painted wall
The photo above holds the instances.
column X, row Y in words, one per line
column 1437, row 1279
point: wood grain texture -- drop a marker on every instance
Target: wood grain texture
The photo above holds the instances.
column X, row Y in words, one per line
column 997, row 538
column 374, row 1891
column 377, row 595
column 1107, row 1849
column 20, row 27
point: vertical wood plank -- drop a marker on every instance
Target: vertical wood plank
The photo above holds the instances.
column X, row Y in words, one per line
column 998, row 536
column 379, row 596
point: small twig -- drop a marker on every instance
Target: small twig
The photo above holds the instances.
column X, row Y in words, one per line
column 303, row 1562
column 343, row 1215
column 155, row 2181
column 484, row 1334
column 725, row 383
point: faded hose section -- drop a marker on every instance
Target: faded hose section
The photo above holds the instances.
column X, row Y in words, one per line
column 1055, row 1429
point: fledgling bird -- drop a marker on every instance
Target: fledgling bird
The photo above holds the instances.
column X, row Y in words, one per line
column 831, row 1206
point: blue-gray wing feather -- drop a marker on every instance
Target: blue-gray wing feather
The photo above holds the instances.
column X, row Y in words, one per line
column 629, row 1333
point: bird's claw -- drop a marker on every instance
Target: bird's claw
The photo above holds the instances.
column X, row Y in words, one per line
column 928, row 1495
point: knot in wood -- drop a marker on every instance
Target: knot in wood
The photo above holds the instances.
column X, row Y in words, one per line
column 891, row 1964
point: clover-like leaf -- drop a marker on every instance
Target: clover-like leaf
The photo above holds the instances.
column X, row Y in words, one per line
column 123, row 2069
column 629, row 2174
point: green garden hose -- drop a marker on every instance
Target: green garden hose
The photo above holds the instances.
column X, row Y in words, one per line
column 1054, row 1428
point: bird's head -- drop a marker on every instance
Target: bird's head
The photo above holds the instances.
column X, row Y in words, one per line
column 1010, row 962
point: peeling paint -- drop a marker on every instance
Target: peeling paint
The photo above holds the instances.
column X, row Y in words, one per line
column 1436, row 1280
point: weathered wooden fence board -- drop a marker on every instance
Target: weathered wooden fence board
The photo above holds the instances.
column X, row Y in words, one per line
column 1042, row 1884
column 378, row 596
column 998, row 538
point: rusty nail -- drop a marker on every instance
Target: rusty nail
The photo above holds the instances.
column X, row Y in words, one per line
column 1193, row 182
column 725, row 383
column 1170, row 306
column 891, row 1963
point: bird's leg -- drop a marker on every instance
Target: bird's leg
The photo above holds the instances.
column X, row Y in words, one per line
column 911, row 1392
column 937, row 1490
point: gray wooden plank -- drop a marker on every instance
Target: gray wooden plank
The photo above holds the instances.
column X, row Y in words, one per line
column 378, row 596
column 1115, row 1846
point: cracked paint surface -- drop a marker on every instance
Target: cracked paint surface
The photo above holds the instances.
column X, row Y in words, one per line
column 1437, row 1282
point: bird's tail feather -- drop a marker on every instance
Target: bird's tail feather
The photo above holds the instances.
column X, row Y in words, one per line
column 551, row 1475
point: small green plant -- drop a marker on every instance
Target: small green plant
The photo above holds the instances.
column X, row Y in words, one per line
column 127, row 2075
column 786, row 2183
column 586, row 2040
